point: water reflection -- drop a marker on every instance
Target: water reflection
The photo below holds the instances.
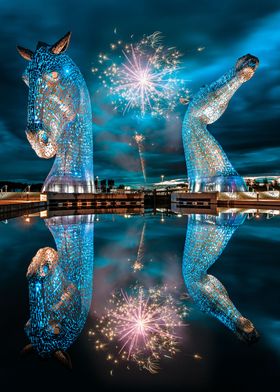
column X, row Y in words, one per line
column 60, row 287
column 138, row 263
column 207, row 355
column 140, row 326
column 207, row 237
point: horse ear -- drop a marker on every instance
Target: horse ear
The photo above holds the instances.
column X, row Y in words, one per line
column 64, row 358
column 28, row 349
column 61, row 45
column 25, row 53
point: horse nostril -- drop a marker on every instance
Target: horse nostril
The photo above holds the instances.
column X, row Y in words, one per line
column 36, row 132
column 43, row 137
column 253, row 61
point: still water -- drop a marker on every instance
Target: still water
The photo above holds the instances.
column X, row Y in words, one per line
column 141, row 301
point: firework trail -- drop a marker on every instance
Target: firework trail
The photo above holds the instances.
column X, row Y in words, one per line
column 138, row 264
column 139, row 141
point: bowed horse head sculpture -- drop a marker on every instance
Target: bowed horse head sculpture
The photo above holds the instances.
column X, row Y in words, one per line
column 59, row 120
column 206, row 239
column 209, row 168
column 211, row 101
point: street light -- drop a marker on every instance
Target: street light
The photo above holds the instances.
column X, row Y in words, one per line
column 162, row 177
column 4, row 188
column 96, row 179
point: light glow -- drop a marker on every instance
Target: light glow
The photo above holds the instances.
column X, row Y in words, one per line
column 143, row 326
column 209, row 168
column 142, row 76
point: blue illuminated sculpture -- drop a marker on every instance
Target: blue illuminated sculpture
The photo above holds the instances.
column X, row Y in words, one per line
column 59, row 118
column 207, row 237
column 208, row 166
column 60, row 287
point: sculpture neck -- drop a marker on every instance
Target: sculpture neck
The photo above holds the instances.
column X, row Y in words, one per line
column 208, row 167
column 206, row 239
column 72, row 171
column 73, row 236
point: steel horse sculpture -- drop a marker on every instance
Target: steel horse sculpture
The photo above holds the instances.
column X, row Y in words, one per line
column 207, row 164
column 207, row 237
column 59, row 120
column 60, row 287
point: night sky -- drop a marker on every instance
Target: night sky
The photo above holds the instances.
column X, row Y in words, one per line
column 248, row 131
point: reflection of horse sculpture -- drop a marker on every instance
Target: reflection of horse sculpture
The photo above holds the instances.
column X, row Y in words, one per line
column 208, row 166
column 60, row 287
column 206, row 239
column 59, row 117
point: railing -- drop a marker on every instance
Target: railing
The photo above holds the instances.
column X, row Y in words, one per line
column 265, row 195
column 3, row 192
column 25, row 193
column 20, row 196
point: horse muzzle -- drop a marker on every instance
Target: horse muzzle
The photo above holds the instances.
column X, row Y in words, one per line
column 246, row 66
column 40, row 141
column 37, row 130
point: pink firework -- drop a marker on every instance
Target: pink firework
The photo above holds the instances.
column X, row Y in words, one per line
column 145, row 323
column 142, row 326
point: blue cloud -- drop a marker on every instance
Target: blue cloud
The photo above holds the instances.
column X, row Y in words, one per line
column 248, row 130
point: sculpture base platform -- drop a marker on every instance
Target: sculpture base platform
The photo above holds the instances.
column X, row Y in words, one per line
column 95, row 200
column 209, row 201
column 205, row 202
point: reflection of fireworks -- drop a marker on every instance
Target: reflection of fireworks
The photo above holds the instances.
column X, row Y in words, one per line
column 143, row 327
column 142, row 75
column 139, row 140
column 138, row 265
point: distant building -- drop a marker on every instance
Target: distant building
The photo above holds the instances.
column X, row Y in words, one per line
column 173, row 185
column 111, row 184
column 103, row 185
column 262, row 183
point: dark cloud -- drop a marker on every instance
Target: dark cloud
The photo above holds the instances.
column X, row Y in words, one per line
column 248, row 130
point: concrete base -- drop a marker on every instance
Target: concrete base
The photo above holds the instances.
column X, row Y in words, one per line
column 206, row 201
column 259, row 204
column 203, row 203
column 96, row 200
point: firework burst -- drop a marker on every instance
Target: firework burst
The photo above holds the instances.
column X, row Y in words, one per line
column 143, row 327
column 142, row 75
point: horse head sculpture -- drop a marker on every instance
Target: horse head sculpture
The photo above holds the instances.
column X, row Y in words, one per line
column 206, row 239
column 209, row 168
column 59, row 120
column 60, row 287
